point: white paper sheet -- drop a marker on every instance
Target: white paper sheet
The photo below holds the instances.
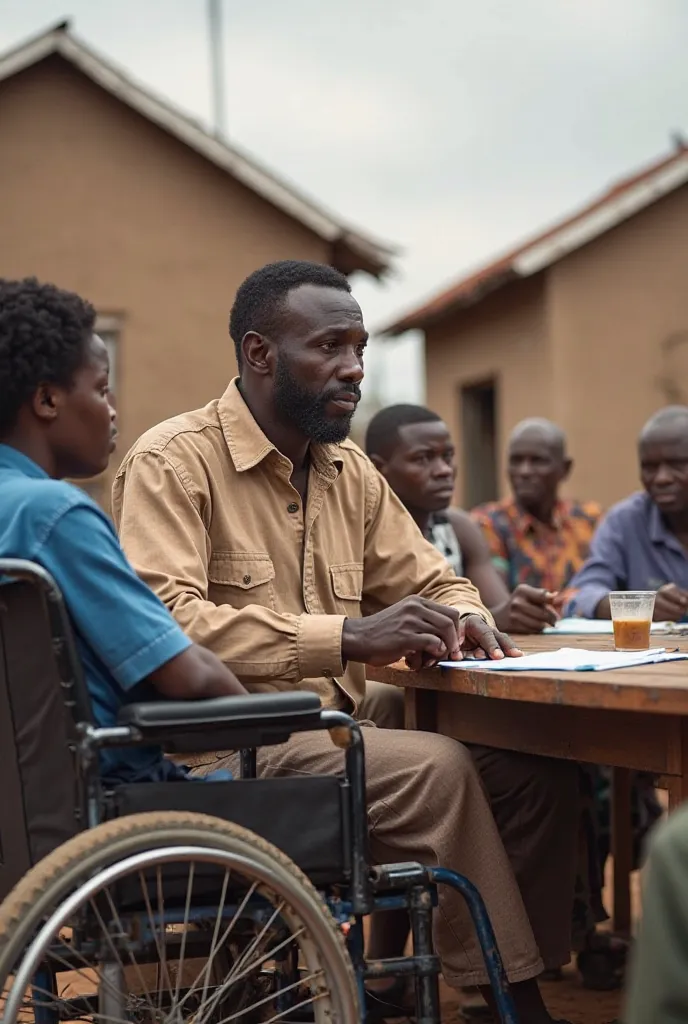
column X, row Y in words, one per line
column 569, row 659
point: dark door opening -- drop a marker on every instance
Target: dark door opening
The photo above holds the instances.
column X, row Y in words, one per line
column 479, row 433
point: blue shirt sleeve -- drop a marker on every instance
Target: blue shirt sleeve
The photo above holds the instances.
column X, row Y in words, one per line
column 605, row 569
column 126, row 626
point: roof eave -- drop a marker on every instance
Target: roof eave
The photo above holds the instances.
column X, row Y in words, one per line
column 356, row 250
column 428, row 317
column 547, row 250
column 351, row 252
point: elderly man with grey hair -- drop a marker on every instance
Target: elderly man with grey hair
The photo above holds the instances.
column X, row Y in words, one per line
column 535, row 536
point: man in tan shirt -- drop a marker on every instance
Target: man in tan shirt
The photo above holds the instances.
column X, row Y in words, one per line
column 276, row 544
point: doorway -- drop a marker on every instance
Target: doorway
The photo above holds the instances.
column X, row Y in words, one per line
column 478, row 410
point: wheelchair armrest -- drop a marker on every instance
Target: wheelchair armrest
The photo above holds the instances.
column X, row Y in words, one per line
column 223, row 723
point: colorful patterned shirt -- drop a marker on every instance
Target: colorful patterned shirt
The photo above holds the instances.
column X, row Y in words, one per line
column 525, row 550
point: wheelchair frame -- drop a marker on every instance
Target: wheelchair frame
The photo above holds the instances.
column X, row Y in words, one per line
column 246, row 723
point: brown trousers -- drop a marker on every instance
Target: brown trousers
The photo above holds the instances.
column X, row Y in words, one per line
column 427, row 803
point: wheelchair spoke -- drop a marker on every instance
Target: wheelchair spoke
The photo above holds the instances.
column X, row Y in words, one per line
column 215, row 944
column 165, row 977
column 296, row 1006
column 121, row 931
column 235, row 977
column 154, row 933
column 204, row 974
column 90, row 974
column 269, row 998
column 258, row 938
column 185, row 929
column 59, row 1002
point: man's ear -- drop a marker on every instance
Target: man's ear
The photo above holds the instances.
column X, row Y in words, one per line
column 45, row 402
column 568, row 466
column 257, row 353
column 379, row 463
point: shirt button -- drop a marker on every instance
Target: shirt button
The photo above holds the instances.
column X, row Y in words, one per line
column 293, row 507
column 247, row 579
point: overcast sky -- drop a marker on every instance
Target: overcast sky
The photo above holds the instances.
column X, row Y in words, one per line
column 450, row 127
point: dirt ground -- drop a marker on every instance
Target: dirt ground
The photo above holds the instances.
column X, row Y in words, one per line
column 566, row 999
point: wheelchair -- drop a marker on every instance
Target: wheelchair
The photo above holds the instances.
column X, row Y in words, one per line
column 187, row 902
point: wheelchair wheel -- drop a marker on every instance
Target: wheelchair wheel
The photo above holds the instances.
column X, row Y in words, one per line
column 171, row 918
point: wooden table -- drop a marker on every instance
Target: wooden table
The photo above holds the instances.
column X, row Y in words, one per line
column 634, row 718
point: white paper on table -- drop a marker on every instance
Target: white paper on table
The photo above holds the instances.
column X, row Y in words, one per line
column 569, row 659
column 595, row 627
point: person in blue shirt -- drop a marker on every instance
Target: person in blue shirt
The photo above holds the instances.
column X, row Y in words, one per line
column 56, row 421
column 642, row 543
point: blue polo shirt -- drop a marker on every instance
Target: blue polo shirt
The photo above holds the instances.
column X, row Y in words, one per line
column 123, row 631
column 633, row 549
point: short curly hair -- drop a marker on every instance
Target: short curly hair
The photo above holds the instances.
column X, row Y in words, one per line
column 43, row 332
column 259, row 299
column 382, row 435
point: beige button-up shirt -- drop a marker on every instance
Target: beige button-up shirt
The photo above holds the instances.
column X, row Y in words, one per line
column 209, row 519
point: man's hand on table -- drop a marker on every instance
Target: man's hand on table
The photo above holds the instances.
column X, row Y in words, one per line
column 528, row 610
column 424, row 633
column 671, row 604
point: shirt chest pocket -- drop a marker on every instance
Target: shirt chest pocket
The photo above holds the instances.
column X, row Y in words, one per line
column 347, row 587
column 241, row 578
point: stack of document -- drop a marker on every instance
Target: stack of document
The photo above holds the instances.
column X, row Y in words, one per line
column 569, row 659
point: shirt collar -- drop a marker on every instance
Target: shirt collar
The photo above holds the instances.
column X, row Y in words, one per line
column 659, row 531
column 524, row 522
column 11, row 458
column 248, row 445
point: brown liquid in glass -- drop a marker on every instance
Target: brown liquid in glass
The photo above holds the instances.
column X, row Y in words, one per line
column 631, row 634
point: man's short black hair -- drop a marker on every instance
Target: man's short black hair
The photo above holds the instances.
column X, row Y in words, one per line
column 382, row 434
column 43, row 333
column 259, row 300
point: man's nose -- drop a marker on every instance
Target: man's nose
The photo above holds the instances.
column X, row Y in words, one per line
column 351, row 367
column 664, row 475
column 442, row 469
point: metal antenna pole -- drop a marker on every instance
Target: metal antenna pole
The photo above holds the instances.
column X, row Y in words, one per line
column 217, row 66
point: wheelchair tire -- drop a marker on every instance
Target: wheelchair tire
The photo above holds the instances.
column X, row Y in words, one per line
column 75, row 867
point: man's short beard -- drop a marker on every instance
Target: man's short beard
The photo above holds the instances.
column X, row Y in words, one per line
column 300, row 407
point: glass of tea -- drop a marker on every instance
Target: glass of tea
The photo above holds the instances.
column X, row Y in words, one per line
column 632, row 617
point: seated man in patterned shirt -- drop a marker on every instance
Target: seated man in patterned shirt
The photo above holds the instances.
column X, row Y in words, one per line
column 535, row 536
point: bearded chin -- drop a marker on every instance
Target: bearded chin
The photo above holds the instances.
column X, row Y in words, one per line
column 300, row 408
